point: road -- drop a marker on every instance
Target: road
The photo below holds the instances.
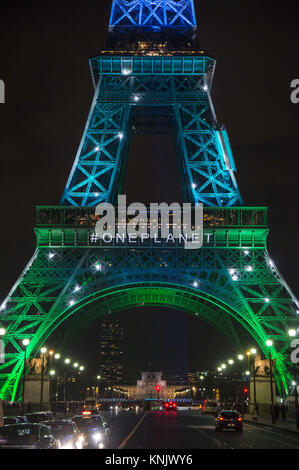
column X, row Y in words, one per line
column 188, row 429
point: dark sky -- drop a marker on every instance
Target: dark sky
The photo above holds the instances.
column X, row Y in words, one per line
column 44, row 51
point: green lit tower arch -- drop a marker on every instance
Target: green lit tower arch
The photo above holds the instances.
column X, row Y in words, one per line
column 151, row 78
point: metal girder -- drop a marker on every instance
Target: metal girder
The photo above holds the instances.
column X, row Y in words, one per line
column 230, row 278
column 204, row 155
column 153, row 13
column 236, row 282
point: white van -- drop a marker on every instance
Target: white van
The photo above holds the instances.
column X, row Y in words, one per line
column 210, row 407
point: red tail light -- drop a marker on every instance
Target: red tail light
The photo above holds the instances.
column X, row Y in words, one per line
column 174, row 404
column 221, row 419
column 239, row 419
column 166, row 404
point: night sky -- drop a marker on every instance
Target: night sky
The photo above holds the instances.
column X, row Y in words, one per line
column 44, row 51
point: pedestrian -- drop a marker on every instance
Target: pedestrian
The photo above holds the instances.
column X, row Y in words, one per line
column 276, row 411
column 283, row 410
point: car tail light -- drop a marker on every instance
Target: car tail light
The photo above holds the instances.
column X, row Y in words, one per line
column 239, row 419
column 221, row 419
column 166, row 404
column 86, row 412
column 174, row 404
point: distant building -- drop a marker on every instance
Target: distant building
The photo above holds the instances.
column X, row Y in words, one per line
column 111, row 351
column 146, row 387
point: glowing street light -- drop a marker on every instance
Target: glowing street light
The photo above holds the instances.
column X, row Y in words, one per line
column 25, row 343
column 292, row 332
column 67, row 361
column 230, row 361
column 57, row 356
column 240, row 357
column 253, row 351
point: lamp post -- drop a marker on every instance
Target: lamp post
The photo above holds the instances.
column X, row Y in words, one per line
column 67, row 361
column 43, row 352
column 269, row 343
column 25, row 344
column 254, row 369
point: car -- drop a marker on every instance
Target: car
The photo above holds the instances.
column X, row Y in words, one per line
column 95, row 430
column 27, row 436
column 38, row 417
column 11, row 420
column 67, row 433
column 22, row 419
column 210, row 407
column 229, row 419
column 170, row 405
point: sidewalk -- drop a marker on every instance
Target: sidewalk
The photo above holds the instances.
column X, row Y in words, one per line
column 289, row 425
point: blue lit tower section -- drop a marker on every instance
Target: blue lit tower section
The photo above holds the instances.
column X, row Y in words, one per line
column 152, row 78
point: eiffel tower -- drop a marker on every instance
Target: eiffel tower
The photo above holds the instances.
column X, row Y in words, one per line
column 151, row 78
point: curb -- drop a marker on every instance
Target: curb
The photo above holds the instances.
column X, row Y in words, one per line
column 279, row 428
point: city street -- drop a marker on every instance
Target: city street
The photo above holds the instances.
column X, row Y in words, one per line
column 189, row 430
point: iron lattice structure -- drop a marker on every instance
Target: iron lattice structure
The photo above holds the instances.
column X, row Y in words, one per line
column 153, row 13
column 231, row 280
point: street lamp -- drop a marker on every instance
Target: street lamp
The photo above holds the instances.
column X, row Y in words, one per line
column 269, row 343
column 2, row 331
column 25, row 344
column 254, row 369
column 57, row 356
column 43, row 352
column 240, row 357
column 292, row 332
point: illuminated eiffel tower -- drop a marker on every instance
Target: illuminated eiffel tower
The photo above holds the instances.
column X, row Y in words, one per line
column 152, row 78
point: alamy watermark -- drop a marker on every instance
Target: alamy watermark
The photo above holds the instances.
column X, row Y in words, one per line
column 2, row 352
column 159, row 221
column 2, row 92
column 295, row 353
column 295, row 92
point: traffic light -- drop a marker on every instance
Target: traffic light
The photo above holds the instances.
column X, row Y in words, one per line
column 158, row 388
column 245, row 390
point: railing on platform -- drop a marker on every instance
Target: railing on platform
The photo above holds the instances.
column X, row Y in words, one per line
column 59, row 216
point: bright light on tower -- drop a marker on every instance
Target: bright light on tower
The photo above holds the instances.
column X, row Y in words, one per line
column 292, row 332
column 269, row 343
column 26, row 342
column 43, row 350
column 2, row 331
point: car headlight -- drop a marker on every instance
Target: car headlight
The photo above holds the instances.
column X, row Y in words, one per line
column 67, row 445
column 98, row 437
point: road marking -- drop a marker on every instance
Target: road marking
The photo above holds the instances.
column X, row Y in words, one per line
column 126, row 440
